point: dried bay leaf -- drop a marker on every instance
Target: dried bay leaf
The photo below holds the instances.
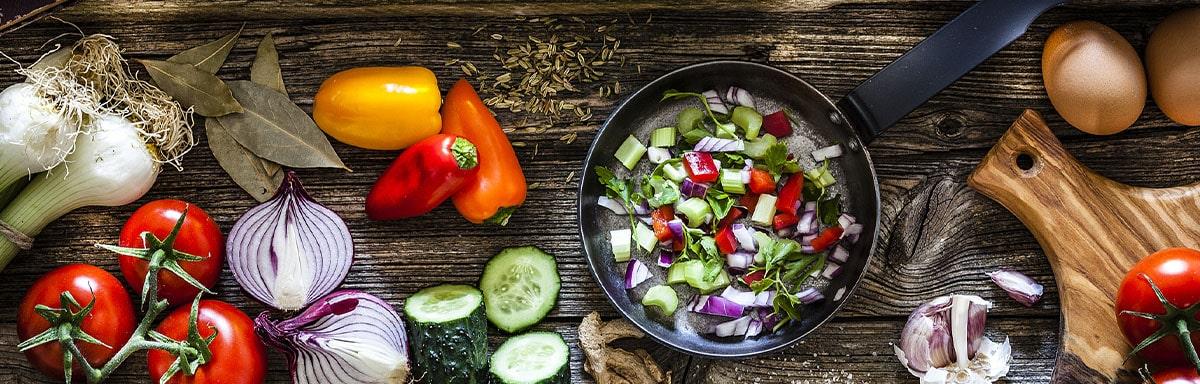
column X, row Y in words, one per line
column 276, row 129
column 211, row 56
column 259, row 177
column 265, row 70
column 191, row 86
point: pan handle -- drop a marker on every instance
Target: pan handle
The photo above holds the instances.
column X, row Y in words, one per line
column 939, row 60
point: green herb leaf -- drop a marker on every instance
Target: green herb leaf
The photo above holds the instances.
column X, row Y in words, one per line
column 620, row 190
column 776, row 160
column 276, row 129
column 210, row 56
column 193, row 87
column 720, row 202
column 664, row 191
column 265, row 70
column 258, row 177
column 830, row 209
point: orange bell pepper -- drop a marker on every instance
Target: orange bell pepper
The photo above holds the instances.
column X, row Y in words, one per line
column 499, row 186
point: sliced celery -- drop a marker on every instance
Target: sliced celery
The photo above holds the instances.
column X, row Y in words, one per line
column 694, row 275
column 764, row 212
column 749, row 119
column 731, row 181
column 621, row 240
column 663, row 137
column 820, row 177
column 679, row 272
column 663, row 297
column 694, row 136
column 630, row 152
column 756, row 149
column 727, row 131
column 675, row 172
column 645, row 237
column 695, row 209
column 689, row 119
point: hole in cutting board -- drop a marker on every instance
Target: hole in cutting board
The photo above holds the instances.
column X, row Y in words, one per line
column 1025, row 161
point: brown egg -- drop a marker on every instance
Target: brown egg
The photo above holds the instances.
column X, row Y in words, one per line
column 1094, row 77
column 1173, row 63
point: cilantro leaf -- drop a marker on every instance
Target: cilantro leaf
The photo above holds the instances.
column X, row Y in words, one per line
column 662, row 191
column 829, row 209
column 620, row 190
column 720, row 202
column 777, row 162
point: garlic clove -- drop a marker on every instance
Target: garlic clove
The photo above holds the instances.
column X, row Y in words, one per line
column 1018, row 286
column 943, row 342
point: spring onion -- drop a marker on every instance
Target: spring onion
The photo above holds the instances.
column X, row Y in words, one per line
column 748, row 119
column 732, row 181
column 630, row 152
column 621, row 241
column 696, row 210
column 345, row 337
column 764, row 211
column 289, row 251
column 35, row 135
column 663, row 137
column 644, row 236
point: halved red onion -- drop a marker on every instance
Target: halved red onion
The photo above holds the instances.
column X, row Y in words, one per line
column 807, row 224
column 832, row 270
column 839, row 254
column 736, row 327
column 1018, row 286
column 713, row 144
column 718, row 306
column 635, row 273
column 739, row 96
column 739, row 260
column 692, row 189
column 612, row 205
column 290, row 250
column 346, row 337
column 715, row 103
column 810, row 295
column 827, row 152
column 742, row 298
column 666, row 258
column 744, row 236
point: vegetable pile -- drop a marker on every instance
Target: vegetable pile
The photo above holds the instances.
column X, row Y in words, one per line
column 726, row 209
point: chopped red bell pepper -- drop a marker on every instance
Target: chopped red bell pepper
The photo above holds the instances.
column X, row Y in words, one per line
column 701, row 167
column 761, row 181
column 748, row 200
column 734, row 214
column 659, row 219
column 777, row 124
column 827, row 238
column 726, row 242
column 784, row 220
column 790, row 194
column 752, row 277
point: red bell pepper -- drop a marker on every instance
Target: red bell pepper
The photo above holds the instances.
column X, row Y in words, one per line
column 790, row 194
column 749, row 200
column 761, row 181
column 777, row 124
column 659, row 219
column 827, row 238
column 752, row 277
column 734, row 214
column 784, row 220
column 700, row 167
column 422, row 177
column 726, row 242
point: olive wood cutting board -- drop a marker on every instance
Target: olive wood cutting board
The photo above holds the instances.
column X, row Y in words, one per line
column 1092, row 229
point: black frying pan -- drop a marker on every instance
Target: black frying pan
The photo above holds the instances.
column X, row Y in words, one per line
column 854, row 121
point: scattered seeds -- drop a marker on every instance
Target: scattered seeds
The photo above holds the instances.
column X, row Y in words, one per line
column 452, row 44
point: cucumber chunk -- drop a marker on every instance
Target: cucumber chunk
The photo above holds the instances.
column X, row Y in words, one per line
column 532, row 358
column 448, row 334
column 520, row 286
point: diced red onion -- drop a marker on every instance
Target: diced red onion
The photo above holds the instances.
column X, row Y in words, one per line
column 739, row 260
column 697, row 302
column 832, row 270
column 810, row 295
column 736, row 327
column 785, row 232
column 641, row 209
column 692, row 189
column 755, row 328
column 841, row 292
column 658, row 155
column 645, row 219
column 739, row 96
column 745, row 176
column 635, row 273
column 677, row 228
column 1018, row 286
column 839, row 254
column 289, row 250
column 827, row 152
column 714, row 102
column 742, row 298
column 744, row 235
column 346, row 337
column 807, row 239
column 718, row 306
column 845, row 220
column 715, row 144
column 807, row 225
column 666, row 258
column 852, row 232
column 807, row 248
column 612, row 205
column 810, row 206
column 763, row 299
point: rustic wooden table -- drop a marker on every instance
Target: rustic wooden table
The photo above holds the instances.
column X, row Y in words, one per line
column 938, row 235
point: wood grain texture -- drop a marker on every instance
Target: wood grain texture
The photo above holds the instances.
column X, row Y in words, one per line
column 1092, row 229
column 938, row 235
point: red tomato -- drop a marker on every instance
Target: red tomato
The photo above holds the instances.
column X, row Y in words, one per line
column 1177, row 375
column 827, row 238
column 761, row 181
column 1176, row 271
column 659, row 219
column 110, row 321
column 238, row 355
column 199, row 236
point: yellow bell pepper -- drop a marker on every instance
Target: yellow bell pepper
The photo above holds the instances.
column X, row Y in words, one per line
column 384, row 108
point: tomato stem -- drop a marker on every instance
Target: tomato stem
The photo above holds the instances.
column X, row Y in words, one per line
column 159, row 255
column 1182, row 326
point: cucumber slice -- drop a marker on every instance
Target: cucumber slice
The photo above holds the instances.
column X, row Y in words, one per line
column 532, row 358
column 448, row 334
column 663, row 297
column 520, row 286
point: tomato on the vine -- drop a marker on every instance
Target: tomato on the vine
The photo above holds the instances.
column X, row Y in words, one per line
column 198, row 236
column 1176, row 273
column 237, row 353
column 111, row 319
column 1177, row 375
